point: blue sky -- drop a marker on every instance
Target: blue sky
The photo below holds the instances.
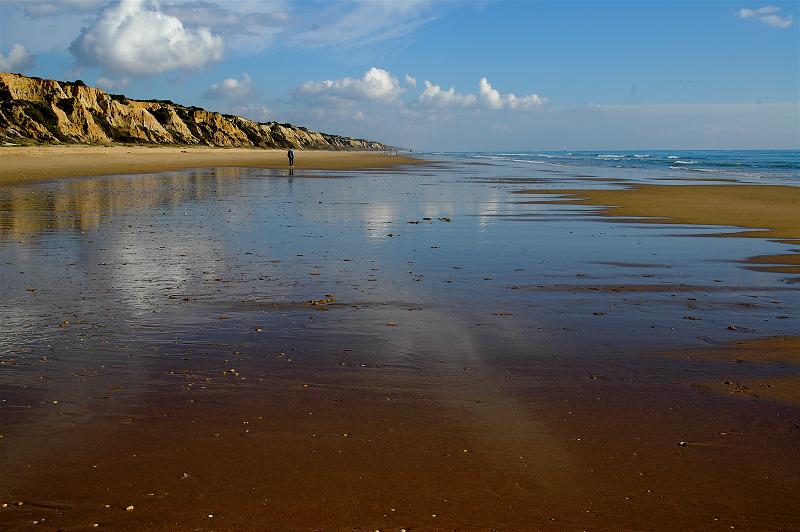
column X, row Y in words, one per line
column 524, row 75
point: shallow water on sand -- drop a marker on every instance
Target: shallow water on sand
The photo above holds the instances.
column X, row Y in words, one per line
column 124, row 299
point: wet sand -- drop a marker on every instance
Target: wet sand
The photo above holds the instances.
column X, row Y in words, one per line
column 751, row 357
column 461, row 452
column 29, row 163
column 768, row 211
column 772, row 210
column 235, row 349
column 778, row 349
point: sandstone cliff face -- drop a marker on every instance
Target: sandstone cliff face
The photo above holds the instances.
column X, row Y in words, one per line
column 49, row 111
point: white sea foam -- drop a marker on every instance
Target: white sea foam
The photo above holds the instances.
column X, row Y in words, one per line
column 529, row 161
column 685, row 162
column 712, row 170
column 609, row 156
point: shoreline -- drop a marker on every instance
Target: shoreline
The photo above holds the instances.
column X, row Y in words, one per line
column 38, row 163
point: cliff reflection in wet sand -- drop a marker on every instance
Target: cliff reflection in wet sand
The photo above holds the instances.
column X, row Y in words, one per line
column 80, row 204
column 238, row 349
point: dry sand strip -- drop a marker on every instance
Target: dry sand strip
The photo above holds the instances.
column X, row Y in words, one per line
column 29, row 163
column 783, row 350
column 771, row 211
column 771, row 349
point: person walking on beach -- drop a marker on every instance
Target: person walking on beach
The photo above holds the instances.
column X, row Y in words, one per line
column 290, row 154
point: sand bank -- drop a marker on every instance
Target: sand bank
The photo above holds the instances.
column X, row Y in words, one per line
column 643, row 287
column 767, row 211
column 771, row 209
column 749, row 356
column 777, row 349
column 781, row 389
column 27, row 163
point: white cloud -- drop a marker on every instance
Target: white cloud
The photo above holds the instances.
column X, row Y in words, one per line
column 769, row 15
column 259, row 113
column 18, row 59
column 487, row 97
column 750, row 13
column 493, row 99
column 435, row 95
column 232, row 89
column 362, row 24
column 135, row 38
column 777, row 21
column 247, row 25
column 379, row 85
column 36, row 8
column 111, row 84
column 375, row 84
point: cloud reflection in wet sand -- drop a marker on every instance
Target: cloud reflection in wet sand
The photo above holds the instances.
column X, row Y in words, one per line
column 194, row 287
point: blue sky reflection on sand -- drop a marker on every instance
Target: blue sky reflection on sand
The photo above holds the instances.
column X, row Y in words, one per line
column 274, row 239
column 144, row 314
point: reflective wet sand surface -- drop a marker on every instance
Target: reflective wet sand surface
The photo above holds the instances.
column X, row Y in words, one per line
column 399, row 348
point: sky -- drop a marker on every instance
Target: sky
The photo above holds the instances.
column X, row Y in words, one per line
column 441, row 75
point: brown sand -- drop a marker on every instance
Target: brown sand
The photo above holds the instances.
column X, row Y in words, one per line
column 781, row 349
column 784, row 263
column 781, row 389
column 754, row 354
column 362, row 452
column 667, row 288
column 772, row 211
column 335, row 444
column 777, row 259
column 26, row 163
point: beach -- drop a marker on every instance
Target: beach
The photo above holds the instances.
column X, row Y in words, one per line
column 27, row 163
column 759, row 211
column 203, row 340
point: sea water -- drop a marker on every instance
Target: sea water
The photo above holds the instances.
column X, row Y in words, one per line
column 762, row 166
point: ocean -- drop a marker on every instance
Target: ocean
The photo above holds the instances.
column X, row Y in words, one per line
column 781, row 166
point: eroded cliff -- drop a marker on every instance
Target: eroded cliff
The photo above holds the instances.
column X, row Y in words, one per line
column 49, row 111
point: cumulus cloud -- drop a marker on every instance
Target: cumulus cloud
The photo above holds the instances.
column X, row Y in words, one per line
column 487, row 97
column 232, row 89
column 18, row 59
column 379, row 85
column 769, row 15
column 493, row 99
column 135, row 38
column 376, row 84
column 435, row 95
column 246, row 26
